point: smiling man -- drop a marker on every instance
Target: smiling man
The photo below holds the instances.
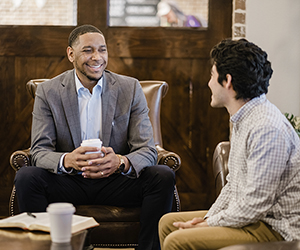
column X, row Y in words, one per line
column 261, row 200
column 90, row 102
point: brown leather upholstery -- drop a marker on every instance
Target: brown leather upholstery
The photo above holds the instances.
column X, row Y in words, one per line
column 220, row 170
column 119, row 226
column 220, row 165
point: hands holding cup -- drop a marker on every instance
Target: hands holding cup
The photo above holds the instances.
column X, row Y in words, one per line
column 92, row 160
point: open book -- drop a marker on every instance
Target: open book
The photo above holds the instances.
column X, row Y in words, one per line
column 41, row 222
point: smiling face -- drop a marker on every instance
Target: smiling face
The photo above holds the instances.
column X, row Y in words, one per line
column 89, row 57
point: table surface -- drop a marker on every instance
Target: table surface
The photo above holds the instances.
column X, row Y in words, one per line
column 17, row 239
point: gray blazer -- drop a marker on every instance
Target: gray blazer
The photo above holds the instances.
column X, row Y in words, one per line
column 125, row 123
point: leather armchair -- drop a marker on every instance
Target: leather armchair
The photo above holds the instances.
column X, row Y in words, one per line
column 119, row 226
column 220, row 170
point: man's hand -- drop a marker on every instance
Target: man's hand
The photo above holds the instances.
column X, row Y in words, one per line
column 77, row 159
column 94, row 165
column 196, row 222
column 103, row 166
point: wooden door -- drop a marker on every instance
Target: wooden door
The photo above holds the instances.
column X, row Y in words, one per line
column 179, row 56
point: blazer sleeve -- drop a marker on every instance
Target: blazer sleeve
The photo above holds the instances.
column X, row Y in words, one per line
column 43, row 134
column 142, row 148
column 132, row 133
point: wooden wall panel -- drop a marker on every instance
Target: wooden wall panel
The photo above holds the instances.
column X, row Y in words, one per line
column 157, row 42
column 33, row 40
column 17, row 108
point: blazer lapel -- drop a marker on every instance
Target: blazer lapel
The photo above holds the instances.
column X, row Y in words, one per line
column 109, row 101
column 70, row 106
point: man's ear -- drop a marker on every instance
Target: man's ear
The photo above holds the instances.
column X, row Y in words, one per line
column 70, row 53
column 228, row 82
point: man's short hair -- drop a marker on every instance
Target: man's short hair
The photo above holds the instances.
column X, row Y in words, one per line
column 80, row 30
column 246, row 63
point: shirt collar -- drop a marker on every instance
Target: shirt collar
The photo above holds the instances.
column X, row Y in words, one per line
column 80, row 86
column 247, row 108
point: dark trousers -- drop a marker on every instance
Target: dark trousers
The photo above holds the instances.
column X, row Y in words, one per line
column 153, row 191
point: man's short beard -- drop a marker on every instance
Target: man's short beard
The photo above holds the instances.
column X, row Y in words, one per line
column 90, row 77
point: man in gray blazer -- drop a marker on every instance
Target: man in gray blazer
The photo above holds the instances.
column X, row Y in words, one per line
column 90, row 102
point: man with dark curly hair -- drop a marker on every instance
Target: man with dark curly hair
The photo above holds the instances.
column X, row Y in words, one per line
column 261, row 200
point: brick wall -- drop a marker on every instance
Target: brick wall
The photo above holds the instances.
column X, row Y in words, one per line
column 38, row 12
column 239, row 19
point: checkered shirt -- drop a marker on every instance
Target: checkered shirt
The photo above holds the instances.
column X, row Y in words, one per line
column 264, row 172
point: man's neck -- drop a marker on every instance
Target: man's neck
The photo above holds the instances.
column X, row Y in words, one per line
column 89, row 84
column 235, row 105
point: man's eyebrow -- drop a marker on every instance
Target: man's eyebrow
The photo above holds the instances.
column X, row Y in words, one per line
column 86, row 47
column 89, row 46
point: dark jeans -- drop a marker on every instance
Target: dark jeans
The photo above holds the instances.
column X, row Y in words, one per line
column 153, row 191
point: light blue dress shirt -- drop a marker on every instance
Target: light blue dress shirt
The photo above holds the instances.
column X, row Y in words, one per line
column 90, row 111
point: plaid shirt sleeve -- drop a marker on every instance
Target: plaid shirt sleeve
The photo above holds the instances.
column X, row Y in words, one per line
column 222, row 201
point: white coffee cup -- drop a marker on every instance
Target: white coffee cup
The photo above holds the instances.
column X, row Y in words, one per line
column 60, row 215
column 92, row 143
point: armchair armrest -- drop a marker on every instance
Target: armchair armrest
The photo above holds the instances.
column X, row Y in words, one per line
column 220, row 165
column 20, row 159
column 168, row 158
column 173, row 161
